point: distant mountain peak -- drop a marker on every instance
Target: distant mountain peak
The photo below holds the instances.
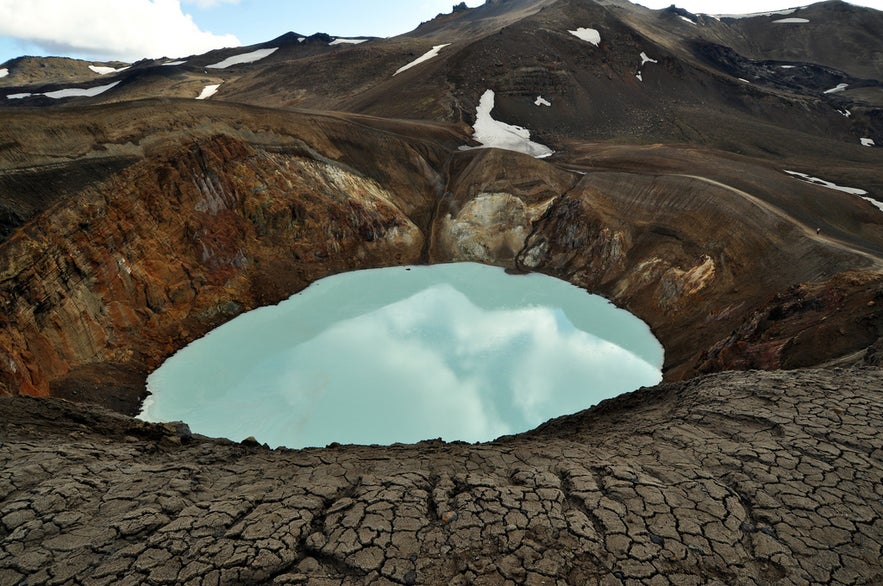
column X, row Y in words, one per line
column 289, row 38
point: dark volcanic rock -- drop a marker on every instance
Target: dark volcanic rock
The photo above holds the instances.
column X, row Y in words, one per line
column 761, row 477
column 792, row 329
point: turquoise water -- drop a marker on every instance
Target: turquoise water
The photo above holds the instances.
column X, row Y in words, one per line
column 457, row 351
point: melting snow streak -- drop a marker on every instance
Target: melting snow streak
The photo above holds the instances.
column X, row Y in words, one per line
column 425, row 57
column 80, row 92
column 850, row 190
column 874, row 202
column 828, row 184
column 492, row 133
column 101, row 70
column 753, row 14
column 644, row 59
column 840, row 87
column 74, row 92
column 243, row 58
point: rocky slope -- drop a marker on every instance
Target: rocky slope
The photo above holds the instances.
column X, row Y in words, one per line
column 736, row 478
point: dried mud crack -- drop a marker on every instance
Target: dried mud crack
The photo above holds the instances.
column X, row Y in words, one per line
column 734, row 478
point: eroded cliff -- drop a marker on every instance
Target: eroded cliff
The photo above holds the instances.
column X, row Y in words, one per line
column 128, row 270
column 106, row 281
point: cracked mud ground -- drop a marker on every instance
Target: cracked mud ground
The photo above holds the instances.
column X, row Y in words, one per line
column 736, row 478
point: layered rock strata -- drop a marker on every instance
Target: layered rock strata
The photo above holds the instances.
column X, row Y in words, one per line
column 123, row 273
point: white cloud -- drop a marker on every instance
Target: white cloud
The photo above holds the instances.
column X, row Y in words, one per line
column 324, row 366
column 109, row 29
column 209, row 3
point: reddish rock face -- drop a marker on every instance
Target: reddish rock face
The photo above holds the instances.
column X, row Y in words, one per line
column 807, row 324
column 130, row 270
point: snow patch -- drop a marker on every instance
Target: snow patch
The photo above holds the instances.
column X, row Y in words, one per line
column 874, row 202
column 840, row 87
column 785, row 12
column 644, row 60
column 101, row 70
column 589, row 35
column 791, row 21
column 74, row 92
column 684, row 18
column 787, row 66
column 243, row 58
column 492, row 133
column 4, row 72
column 828, row 184
column 541, row 101
column 174, row 63
column 301, row 39
column 347, row 41
column 868, row 142
column 208, row 91
column 845, row 113
column 743, row 80
column 425, row 57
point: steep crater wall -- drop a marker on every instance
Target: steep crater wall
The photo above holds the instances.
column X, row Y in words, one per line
column 102, row 286
column 124, row 273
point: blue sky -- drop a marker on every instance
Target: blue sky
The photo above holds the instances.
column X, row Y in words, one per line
column 104, row 30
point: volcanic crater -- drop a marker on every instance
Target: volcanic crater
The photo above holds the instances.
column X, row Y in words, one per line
column 135, row 220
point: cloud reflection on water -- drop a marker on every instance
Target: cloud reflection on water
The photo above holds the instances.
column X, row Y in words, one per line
column 430, row 362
